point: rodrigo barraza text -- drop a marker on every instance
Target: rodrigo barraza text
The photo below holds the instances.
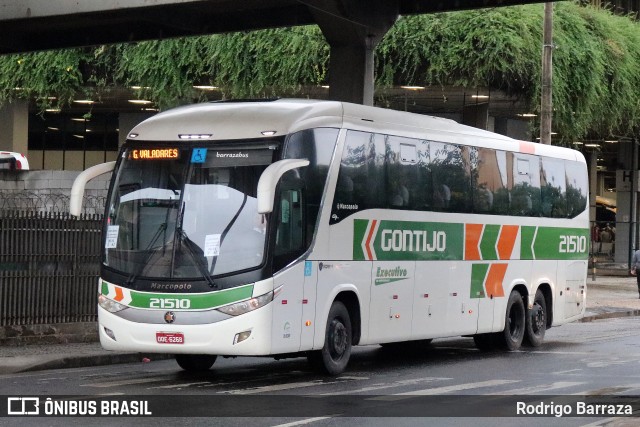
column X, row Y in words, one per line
column 575, row 409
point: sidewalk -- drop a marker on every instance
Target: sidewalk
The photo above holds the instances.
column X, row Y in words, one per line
column 607, row 297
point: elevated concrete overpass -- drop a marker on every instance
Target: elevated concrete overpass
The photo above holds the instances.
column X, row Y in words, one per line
column 352, row 27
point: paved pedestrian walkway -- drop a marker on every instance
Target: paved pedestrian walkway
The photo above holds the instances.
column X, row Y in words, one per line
column 607, row 296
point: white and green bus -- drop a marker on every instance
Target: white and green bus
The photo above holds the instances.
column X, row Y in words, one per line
column 303, row 228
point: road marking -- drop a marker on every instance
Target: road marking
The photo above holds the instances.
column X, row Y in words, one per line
column 566, row 372
column 305, row 421
column 386, row 385
column 536, row 389
column 628, row 387
column 124, row 382
column 570, row 353
column 443, row 390
column 287, row 386
column 602, row 391
column 181, row 385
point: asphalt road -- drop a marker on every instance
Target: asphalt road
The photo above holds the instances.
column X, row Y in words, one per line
column 599, row 359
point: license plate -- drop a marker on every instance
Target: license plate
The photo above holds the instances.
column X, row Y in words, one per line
column 169, row 337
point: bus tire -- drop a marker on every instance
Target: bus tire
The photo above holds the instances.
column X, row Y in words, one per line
column 196, row 362
column 514, row 323
column 335, row 354
column 536, row 321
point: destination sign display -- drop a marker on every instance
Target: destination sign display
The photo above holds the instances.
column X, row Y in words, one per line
column 155, row 153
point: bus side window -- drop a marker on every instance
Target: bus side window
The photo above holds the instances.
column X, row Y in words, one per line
column 553, row 186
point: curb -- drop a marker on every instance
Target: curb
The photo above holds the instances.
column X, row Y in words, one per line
column 91, row 360
column 82, row 361
column 610, row 315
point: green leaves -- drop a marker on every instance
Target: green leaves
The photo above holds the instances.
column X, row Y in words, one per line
column 595, row 63
column 595, row 80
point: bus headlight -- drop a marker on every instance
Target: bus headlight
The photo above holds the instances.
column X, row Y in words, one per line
column 243, row 307
column 110, row 305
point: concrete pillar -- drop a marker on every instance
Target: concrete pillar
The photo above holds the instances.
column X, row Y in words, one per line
column 351, row 77
column 625, row 201
column 14, row 127
column 353, row 29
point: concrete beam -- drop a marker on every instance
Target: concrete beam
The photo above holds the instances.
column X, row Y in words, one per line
column 30, row 25
column 19, row 9
column 353, row 28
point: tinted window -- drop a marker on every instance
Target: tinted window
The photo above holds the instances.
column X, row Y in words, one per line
column 553, row 188
column 390, row 172
column 362, row 177
column 450, row 177
column 315, row 145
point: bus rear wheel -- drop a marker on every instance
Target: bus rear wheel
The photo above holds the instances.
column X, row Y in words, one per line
column 196, row 362
column 515, row 323
column 335, row 354
column 536, row 321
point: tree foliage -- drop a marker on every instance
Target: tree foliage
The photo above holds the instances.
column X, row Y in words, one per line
column 595, row 80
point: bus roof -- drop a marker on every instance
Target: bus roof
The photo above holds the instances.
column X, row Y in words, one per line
column 229, row 120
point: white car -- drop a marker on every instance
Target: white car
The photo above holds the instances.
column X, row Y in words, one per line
column 10, row 160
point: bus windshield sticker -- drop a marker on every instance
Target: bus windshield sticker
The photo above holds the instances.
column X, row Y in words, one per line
column 212, row 245
column 199, row 155
column 112, row 237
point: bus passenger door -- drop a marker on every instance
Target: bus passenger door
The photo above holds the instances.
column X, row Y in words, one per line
column 289, row 245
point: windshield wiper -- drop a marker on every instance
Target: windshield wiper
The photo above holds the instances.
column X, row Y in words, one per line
column 147, row 253
column 226, row 230
column 182, row 236
column 162, row 229
column 201, row 268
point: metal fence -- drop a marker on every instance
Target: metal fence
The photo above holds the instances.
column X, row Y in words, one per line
column 47, row 201
column 49, row 267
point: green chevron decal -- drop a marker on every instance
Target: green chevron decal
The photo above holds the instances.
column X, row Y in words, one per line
column 478, row 275
column 488, row 242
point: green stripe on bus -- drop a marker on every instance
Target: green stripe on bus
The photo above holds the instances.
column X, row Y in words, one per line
column 359, row 228
column 488, row 242
column 555, row 243
column 104, row 288
column 478, row 276
column 410, row 241
column 197, row 301
column 526, row 239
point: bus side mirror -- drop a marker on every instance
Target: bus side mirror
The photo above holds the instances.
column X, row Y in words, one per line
column 77, row 189
column 269, row 179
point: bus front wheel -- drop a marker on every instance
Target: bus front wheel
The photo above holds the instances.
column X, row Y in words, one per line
column 196, row 362
column 335, row 354
column 515, row 323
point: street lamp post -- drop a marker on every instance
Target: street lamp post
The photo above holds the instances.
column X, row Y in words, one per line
column 546, row 103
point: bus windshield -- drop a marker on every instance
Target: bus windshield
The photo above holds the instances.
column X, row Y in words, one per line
column 186, row 213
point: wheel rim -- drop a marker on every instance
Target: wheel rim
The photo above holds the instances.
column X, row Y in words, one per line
column 538, row 318
column 337, row 339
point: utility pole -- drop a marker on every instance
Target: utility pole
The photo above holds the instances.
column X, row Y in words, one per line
column 546, row 104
